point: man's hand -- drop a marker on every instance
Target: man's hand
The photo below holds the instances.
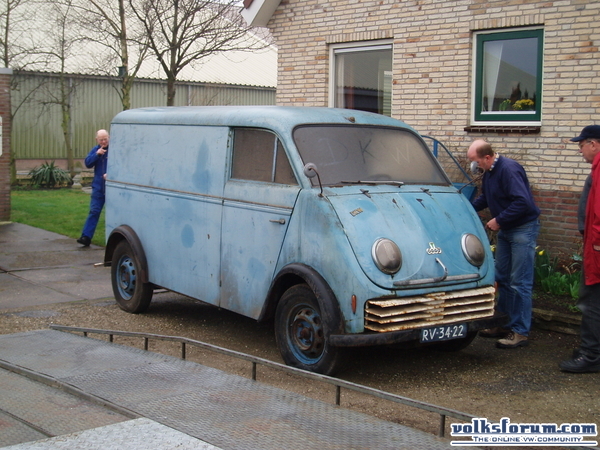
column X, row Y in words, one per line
column 101, row 151
column 493, row 225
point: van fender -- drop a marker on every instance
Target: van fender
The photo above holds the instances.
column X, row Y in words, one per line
column 125, row 232
column 297, row 273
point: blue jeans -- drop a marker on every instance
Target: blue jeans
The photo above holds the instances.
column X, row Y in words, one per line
column 515, row 259
column 96, row 205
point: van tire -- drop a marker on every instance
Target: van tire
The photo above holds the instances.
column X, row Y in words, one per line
column 301, row 332
column 131, row 294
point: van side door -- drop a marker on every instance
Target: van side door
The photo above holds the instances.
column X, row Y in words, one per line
column 259, row 198
column 166, row 183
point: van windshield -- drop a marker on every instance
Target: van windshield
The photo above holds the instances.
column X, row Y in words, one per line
column 354, row 153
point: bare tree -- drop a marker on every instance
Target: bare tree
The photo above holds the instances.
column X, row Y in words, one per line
column 61, row 49
column 110, row 24
column 17, row 43
column 183, row 32
column 6, row 29
column 18, row 50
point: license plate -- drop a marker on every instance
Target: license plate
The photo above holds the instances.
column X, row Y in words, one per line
column 443, row 333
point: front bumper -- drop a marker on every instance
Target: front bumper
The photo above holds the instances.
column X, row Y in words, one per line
column 394, row 337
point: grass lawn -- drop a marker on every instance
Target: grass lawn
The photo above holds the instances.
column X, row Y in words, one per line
column 61, row 211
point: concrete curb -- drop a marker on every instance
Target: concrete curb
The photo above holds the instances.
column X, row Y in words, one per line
column 555, row 321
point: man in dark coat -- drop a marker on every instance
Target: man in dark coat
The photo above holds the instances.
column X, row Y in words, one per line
column 587, row 357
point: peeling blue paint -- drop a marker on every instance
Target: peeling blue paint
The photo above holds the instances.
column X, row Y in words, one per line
column 187, row 236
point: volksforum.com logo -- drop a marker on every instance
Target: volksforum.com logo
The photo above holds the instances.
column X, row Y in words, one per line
column 505, row 433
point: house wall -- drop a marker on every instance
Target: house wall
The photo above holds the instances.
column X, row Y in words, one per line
column 432, row 80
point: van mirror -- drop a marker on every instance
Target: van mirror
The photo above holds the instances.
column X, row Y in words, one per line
column 310, row 170
column 475, row 169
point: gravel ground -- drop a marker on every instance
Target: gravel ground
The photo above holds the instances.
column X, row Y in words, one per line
column 524, row 384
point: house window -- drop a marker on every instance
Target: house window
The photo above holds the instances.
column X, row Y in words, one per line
column 508, row 77
column 361, row 77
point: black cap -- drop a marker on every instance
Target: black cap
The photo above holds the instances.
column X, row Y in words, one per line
column 589, row 132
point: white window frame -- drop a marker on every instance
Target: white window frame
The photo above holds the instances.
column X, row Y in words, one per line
column 335, row 49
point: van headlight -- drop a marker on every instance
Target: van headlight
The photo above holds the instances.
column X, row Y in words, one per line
column 473, row 249
column 387, row 256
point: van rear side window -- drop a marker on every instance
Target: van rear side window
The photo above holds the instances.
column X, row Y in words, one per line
column 259, row 156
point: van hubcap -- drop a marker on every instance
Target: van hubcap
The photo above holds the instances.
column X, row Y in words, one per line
column 307, row 331
column 126, row 277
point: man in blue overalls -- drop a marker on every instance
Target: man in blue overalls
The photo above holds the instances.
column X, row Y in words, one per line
column 97, row 158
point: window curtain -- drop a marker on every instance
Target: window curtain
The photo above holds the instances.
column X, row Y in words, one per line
column 492, row 58
column 345, row 87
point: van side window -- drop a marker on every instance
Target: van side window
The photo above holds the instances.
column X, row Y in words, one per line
column 258, row 155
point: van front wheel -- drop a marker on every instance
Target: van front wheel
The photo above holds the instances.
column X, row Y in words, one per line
column 301, row 332
column 130, row 293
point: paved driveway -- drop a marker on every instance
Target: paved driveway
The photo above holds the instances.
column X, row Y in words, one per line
column 39, row 267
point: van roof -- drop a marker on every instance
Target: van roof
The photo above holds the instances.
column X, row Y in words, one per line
column 273, row 117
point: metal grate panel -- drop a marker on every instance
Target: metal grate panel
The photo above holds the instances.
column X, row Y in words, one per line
column 225, row 410
column 30, row 411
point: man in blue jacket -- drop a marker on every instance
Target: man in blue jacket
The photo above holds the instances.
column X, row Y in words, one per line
column 506, row 193
column 97, row 158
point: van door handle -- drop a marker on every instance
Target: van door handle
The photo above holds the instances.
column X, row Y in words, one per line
column 280, row 221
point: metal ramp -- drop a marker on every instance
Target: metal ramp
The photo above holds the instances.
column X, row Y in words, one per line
column 223, row 410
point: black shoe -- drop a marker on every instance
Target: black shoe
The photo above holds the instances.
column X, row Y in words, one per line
column 497, row 332
column 581, row 364
column 85, row 241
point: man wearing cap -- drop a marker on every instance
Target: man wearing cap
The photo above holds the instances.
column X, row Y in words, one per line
column 587, row 357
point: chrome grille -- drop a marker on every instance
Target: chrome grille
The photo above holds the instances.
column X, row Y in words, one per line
column 429, row 310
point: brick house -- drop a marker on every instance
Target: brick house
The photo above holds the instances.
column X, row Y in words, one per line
column 522, row 74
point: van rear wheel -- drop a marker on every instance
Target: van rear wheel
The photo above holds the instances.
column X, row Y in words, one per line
column 131, row 294
column 301, row 332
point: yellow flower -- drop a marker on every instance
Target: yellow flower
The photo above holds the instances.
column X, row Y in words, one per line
column 525, row 104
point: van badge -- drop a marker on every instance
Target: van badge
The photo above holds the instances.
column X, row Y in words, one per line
column 356, row 212
column 433, row 250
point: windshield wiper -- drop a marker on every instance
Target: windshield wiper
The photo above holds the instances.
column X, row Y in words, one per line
column 375, row 182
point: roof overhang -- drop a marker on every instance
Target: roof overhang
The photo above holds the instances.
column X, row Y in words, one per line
column 257, row 13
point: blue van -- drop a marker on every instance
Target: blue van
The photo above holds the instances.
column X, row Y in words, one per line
column 339, row 225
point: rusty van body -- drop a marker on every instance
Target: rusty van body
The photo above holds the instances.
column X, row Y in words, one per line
column 338, row 224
